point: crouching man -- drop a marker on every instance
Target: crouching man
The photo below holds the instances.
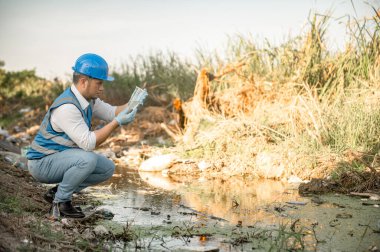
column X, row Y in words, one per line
column 61, row 152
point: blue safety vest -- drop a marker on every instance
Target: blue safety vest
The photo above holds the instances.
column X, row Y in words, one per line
column 47, row 140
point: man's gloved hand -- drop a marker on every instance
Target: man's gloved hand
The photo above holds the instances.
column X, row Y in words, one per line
column 124, row 118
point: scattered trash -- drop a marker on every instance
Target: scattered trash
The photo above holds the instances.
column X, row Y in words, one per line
column 296, row 203
column 158, row 163
column 197, row 248
column 317, row 200
column 188, row 213
column 108, row 215
column 167, row 222
column 17, row 129
column 24, row 150
column 65, row 222
column 24, row 110
column 100, row 230
column 14, row 159
column 371, row 196
column 368, row 204
column 239, row 224
column 269, row 165
column 7, row 146
column 87, row 234
column 334, row 223
column 160, row 140
column 294, row 180
column 4, row 132
column 339, row 205
column 344, row 216
column 203, row 165
column 26, row 241
column 279, row 209
column 218, row 219
column 373, row 248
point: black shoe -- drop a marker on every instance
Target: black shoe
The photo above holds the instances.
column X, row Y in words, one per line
column 50, row 194
column 65, row 209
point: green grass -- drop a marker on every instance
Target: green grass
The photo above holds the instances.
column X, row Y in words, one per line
column 10, row 119
column 45, row 230
column 10, row 204
column 353, row 126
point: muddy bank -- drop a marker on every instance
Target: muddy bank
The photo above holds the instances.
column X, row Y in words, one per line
column 25, row 223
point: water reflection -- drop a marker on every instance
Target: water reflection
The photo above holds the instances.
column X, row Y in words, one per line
column 159, row 206
column 236, row 200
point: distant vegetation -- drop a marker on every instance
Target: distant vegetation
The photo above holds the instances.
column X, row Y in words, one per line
column 164, row 75
column 22, row 89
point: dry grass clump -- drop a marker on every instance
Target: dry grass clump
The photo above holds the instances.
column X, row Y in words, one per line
column 354, row 181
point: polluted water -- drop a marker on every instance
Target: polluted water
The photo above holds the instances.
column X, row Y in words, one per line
column 235, row 214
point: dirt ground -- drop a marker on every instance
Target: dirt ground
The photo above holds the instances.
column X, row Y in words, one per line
column 24, row 217
column 12, row 228
column 22, row 207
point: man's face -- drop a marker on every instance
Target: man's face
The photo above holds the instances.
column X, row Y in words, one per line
column 93, row 88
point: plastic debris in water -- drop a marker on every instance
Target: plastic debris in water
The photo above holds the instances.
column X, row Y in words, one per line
column 296, row 203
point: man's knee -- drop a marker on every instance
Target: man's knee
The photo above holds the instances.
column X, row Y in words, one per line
column 110, row 168
column 105, row 166
column 88, row 160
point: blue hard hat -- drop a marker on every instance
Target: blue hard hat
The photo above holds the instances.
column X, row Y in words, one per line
column 92, row 65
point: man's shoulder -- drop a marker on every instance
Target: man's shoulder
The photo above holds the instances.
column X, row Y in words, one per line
column 66, row 108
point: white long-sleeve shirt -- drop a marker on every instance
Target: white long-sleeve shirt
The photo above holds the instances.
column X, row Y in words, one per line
column 67, row 118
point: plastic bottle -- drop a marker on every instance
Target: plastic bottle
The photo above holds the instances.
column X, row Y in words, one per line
column 14, row 159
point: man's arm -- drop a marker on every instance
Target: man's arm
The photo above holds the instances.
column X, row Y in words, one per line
column 103, row 133
column 123, row 118
column 69, row 119
column 103, row 111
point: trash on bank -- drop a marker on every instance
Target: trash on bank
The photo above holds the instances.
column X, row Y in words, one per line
column 158, row 163
column 371, row 196
column 14, row 159
column 296, row 203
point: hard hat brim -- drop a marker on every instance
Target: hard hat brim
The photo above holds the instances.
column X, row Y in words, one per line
column 108, row 78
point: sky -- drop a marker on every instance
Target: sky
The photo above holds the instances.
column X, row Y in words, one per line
column 49, row 35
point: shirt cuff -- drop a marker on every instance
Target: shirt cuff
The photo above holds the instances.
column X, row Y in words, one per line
column 91, row 141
